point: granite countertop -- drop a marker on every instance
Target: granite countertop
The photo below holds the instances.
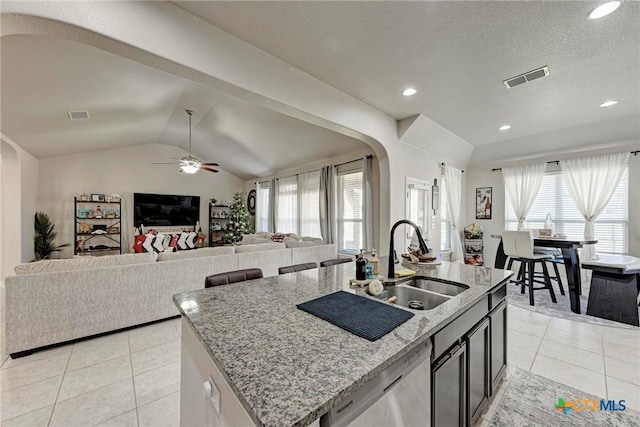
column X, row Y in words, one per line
column 288, row 367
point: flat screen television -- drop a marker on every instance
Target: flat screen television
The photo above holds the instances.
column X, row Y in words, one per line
column 156, row 210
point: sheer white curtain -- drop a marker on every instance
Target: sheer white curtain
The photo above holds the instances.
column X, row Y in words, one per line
column 453, row 177
column 522, row 184
column 309, row 199
column 591, row 183
column 262, row 206
column 287, row 205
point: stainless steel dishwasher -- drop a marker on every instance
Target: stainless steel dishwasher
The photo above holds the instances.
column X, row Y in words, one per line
column 399, row 396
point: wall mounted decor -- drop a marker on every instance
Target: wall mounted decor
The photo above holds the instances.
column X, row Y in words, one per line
column 483, row 202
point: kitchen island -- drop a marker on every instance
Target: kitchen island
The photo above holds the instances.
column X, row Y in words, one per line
column 286, row 367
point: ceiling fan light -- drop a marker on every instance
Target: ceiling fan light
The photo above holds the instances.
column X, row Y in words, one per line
column 189, row 168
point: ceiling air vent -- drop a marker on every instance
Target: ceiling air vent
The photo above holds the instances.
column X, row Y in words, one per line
column 526, row 77
column 78, row 115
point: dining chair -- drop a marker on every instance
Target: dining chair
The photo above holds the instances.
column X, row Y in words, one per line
column 335, row 261
column 297, row 267
column 232, row 277
column 555, row 259
column 518, row 245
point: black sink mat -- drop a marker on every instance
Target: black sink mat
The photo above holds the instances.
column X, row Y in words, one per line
column 359, row 315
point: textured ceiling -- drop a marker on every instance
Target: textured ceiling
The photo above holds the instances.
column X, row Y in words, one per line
column 130, row 103
column 457, row 54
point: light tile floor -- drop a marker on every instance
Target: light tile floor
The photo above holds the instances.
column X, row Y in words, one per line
column 129, row 378
column 132, row 378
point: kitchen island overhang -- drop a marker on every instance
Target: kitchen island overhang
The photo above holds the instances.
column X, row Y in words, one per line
column 287, row 367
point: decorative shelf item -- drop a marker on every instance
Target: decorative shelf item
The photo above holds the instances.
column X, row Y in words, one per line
column 473, row 245
column 97, row 227
column 218, row 220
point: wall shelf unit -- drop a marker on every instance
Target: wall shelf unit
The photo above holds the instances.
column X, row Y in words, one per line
column 97, row 229
column 218, row 220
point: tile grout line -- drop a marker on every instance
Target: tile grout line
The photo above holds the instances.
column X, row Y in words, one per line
column 60, row 387
column 539, row 345
column 604, row 362
column 133, row 382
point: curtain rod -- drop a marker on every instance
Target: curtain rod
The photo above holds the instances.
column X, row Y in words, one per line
column 557, row 162
column 443, row 165
column 368, row 156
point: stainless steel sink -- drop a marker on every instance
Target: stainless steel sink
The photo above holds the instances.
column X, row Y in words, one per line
column 441, row 287
column 416, row 298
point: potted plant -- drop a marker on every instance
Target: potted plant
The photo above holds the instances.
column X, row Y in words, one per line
column 44, row 235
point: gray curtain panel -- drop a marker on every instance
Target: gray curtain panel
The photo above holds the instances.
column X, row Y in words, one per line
column 368, row 203
column 327, row 203
column 273, row 190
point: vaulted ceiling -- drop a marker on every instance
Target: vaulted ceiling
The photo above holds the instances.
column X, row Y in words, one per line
column 130, row 104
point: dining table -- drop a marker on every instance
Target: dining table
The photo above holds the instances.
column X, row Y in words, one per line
column 569, row 248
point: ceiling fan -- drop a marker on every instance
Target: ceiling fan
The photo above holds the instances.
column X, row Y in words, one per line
column 190, row 164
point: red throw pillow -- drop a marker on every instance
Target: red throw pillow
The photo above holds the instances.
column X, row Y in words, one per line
column 278, row 237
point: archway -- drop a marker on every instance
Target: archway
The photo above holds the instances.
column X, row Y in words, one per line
column 10, row 210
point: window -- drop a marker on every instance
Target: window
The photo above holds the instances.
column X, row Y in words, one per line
column 309, row 202
column 611, row 227
column 287, row 205
column 417, row 209
column 297, row 205
column 350, row 211
column 262, row 206
column 445, row 222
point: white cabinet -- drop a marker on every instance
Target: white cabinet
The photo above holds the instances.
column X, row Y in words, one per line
column 205, row 397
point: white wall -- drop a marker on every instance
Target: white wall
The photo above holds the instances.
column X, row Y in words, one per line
column 19, row 173
column 124, row 171
column 481, row 176
column 416, row 163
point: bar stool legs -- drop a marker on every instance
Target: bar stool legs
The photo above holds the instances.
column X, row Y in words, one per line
column 548, row 281
column 528, row 275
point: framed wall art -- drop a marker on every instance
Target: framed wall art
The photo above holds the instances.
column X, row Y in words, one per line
column 483, row 202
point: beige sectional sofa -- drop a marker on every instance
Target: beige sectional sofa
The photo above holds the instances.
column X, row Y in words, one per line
column 54, row 301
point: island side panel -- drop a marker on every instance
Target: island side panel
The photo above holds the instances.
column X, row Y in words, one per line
column 195, row 408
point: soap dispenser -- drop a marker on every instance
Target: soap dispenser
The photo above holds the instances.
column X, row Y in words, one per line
column 361, row 266
column 375, row 262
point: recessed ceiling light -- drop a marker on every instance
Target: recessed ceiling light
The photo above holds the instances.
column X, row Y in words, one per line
column 609, row 103
column 604, row 9
column 504, row 127
column 409, row 91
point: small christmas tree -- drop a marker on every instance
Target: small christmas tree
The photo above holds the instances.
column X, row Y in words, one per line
column 238, row 223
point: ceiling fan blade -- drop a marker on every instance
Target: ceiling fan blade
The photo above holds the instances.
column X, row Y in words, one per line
column 208, row 169
column 210, row 164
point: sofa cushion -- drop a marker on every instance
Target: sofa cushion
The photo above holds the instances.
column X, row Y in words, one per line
column 250, row 239
column 84, row 263
column 313, row 239
column 259, row 247
column 220, row 250
column 300, row 244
